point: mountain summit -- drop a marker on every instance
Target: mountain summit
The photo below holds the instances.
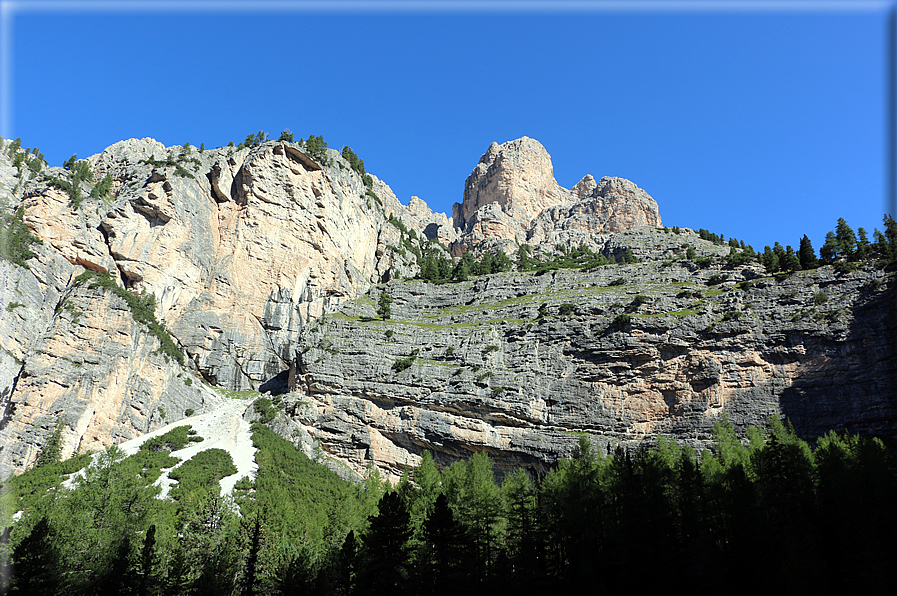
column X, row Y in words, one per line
column 148, row 284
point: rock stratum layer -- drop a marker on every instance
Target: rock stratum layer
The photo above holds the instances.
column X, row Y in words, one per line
column 266, row 265
column 518, row 364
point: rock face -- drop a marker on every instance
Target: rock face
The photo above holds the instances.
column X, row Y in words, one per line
column 240, row 249
column 517, row 364
column 512, row 195
column 266, row 267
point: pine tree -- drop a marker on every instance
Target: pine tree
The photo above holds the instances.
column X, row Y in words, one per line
column 770, row 259
column 845, row 238
column 831, row 249
column 863, row 244
column 383, row 306
column 36, row 562
column 386, row 548
column 807, row 255
column 790, row 262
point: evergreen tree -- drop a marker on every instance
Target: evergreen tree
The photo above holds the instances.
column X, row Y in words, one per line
column 501, row 262
column 444, row 559
column 806, row 254
column 770, row 259
column 384, row 308
column 790, row 262
column 476, row 501
column 524, row 257
column 36, row 561
column 386, row 548
column 845, row 238
column 863, row 245
column 149, row 559
column 891, row 234
column 831, row 249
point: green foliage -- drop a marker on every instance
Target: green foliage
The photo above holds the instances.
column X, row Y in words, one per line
column 806, row 254
column 622, row 320
column 254, row 140
column 355, row 162
column 52, row 450
column 715, row 238
column 286, row 135
column 73, row 190
column 638, row 301
column 304, row 503
column 435, row 263
column 102, row 188
column 80, row 172
column 16, row 239
column 404, row 363
column 844, row 267
column 759, row 497
column 142, row 308
column 384, row 308
column 567, row 309
column 525, row 260
column 201, row 473
column 717, row 279
column 266, row 411
column 316, row 148
column 820, row 298
column 173, row 161
column 174, row 440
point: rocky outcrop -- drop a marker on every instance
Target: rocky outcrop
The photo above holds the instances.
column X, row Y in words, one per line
column 512, row 184
column 512, row 195
column 517, row 364
column 609, row 206
column 266, row 267
column 240, row 249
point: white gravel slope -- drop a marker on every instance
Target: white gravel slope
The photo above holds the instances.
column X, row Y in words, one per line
column 223, row 428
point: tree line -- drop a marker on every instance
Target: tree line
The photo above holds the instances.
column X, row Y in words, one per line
column 802, row 518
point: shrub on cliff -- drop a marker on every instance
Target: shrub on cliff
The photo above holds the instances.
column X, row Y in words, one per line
column 16, row 239
column 383, row 306
column 142, row 306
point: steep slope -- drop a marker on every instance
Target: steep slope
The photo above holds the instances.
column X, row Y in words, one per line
column 266, row 265
column 239, row 248
column 517, row 363
column 511, row 197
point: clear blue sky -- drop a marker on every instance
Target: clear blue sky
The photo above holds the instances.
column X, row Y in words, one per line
column 759, row 124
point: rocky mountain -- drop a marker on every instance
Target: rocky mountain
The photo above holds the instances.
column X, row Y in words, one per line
column 512, row 196
column 267, row 263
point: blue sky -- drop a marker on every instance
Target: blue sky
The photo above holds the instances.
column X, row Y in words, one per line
column 764, row 121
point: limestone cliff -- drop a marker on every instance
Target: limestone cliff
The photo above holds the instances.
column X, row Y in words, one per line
column 517, row 364
column 239, row 247
column 512, row 196
column 266, row 265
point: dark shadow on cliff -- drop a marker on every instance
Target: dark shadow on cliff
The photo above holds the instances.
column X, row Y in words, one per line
column 277, row 385
column 853, row 384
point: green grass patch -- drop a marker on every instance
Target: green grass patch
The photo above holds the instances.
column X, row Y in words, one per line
column 247, row 394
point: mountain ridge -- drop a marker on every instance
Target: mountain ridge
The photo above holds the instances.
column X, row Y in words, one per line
column 254, row 253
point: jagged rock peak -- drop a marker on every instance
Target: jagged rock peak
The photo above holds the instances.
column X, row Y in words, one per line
column 512, row 196
column 517, row 176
